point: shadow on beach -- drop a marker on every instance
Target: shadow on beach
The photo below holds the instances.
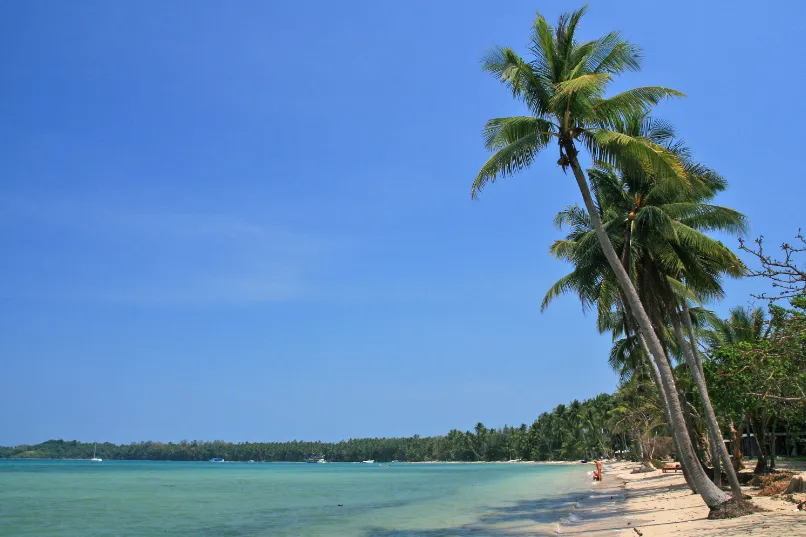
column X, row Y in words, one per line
column 553, row 516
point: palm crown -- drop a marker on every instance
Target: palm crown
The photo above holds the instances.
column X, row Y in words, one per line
column 564, row 86
column 661, row 234
column 658, row 230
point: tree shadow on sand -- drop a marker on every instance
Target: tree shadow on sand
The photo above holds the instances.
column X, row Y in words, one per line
column 537, row 517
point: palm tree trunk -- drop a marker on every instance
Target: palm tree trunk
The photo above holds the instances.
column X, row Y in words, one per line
column 692, row 337
column 629, row 321
column 724, row 454
column 714, row 434
column 716, row 461
column 711, row 494
column 652, row 366
column 653, row 371
column 738, row 457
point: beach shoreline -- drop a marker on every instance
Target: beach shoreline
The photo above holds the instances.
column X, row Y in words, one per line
column 654, row 504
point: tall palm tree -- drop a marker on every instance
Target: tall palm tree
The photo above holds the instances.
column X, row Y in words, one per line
column 743, row 324
column 660, row 232
column 564, row 87
column 676, row 249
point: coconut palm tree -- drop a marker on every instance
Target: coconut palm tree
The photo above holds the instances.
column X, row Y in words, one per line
column 743, row 324
column 671, row 235
column 660, row 232
column 677, row 250
column 564, row 87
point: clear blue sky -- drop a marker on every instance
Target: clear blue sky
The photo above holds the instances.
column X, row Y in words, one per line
column 251, row 220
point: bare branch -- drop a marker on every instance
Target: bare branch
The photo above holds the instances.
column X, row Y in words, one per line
column 787, row 276
column 778, row 398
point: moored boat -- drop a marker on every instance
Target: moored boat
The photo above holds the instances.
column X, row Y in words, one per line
column 95, row 458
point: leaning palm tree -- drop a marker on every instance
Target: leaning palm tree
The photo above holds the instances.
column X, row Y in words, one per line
column 660, row 232
column 564, row 87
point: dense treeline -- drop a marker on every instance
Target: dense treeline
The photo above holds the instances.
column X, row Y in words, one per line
column 577, row 430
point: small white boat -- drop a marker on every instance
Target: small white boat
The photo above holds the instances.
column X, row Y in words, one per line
column 371, row 461
column 94, row 458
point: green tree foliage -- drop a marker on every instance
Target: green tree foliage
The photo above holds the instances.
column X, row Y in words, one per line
column 758, row 369
column 577, row 430
column 638, row 415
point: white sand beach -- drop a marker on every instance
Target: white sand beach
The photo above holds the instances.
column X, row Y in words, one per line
column 660, row 505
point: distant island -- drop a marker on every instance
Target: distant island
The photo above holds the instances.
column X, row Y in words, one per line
column 574, row 431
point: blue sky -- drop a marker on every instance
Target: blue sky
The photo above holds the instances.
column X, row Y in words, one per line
column 251, row 220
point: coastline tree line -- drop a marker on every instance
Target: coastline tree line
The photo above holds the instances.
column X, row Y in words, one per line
column 578, row 430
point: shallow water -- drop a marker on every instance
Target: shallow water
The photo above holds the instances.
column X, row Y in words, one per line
column 141, row 498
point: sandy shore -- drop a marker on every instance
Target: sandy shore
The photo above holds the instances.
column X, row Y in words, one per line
column 657, row 504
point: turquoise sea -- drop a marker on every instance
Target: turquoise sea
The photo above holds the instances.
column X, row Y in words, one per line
column 81, row 498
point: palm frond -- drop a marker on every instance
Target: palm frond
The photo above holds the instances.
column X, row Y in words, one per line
column 682, row 291
column 696, row 242
column 508, row 160
column 589, row 84
column 654, row 221
column 631, row 103
column 619, row 148
column 516, row 74
column 542, row 48
column 705, row 217
column 574, row 216
column 564, row 250
column 612, row 54
column 560, row 287
column 499, row 132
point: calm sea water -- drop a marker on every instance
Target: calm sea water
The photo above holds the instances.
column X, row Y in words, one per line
column 78, row 498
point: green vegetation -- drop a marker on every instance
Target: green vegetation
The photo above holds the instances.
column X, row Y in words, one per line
column 759, row 377
column 568, row 432
column 628, row 424
column 640, row 250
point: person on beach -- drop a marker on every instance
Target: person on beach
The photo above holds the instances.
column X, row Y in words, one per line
column 597, row 474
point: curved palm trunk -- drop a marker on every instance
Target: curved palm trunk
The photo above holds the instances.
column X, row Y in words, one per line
column 664, row 403
column 629, row 320
column 695, row 368
column 714, row 434
column 717, row 463
column 692, row 335
column 711, row 494
column 691, row 427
